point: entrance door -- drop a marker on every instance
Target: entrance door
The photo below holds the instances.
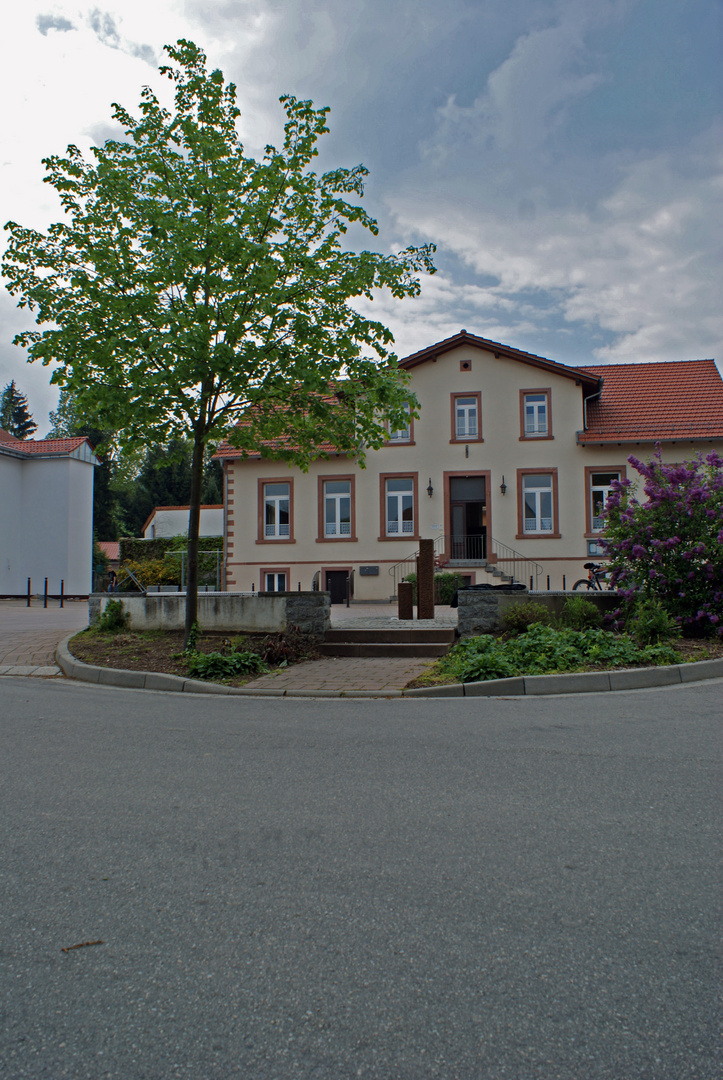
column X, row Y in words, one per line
column 336, row 585
column 467, row 499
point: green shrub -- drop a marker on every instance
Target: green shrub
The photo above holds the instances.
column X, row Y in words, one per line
column 216, row 665
column 579, row 613
column 651, row 623
column 519, row 617
column 153, row 572
column 445, row 586
column 113, row 619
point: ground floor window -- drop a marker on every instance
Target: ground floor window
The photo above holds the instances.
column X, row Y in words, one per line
column 275, row 580
column 537, row 502
column 600, row 491
column 399, row 493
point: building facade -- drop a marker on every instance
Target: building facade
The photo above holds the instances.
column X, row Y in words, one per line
column 507, row 467
column 46, row 515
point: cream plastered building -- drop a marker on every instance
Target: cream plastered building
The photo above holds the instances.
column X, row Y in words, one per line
column 507, row 468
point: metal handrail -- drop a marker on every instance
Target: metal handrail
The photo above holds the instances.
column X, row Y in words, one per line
column 473, row 550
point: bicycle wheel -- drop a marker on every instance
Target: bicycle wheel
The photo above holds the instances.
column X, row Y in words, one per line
column 583, row 583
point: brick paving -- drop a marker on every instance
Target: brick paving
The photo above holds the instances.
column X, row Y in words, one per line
column 29, row 636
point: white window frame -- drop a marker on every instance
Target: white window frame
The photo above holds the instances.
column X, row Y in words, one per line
column 466, row 417
column 535, row 486
column 606, row 490
column 337, row 529
column 273, row 508
column 538, row 424
column 402, row 434
column 273, row 582
column 398, row 501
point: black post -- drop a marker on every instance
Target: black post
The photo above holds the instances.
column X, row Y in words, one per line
column 564, row 587
column 45, row 595
column 299, row 586
column 548, row 582
column 532, row 585
column 28, row 604
column 62, row 591
column 348, row 589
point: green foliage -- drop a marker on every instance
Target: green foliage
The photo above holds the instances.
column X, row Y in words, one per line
column 152, row 572
column 650, row 622
column 15, row 417
column 113, row 620
column 138, row 550
column 216, row 665
column 543, row 650
column 518, row 618
column 445, row 586
column 192, row 637
column 580, row 613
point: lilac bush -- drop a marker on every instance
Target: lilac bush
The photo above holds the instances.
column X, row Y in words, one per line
column 670, row 546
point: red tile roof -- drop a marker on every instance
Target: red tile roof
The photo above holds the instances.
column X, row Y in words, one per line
column 42, row 446
column 111, row 548
column 664, row 401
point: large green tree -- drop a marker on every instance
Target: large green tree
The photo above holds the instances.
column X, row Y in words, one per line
column 191, row 286
column 15, row 417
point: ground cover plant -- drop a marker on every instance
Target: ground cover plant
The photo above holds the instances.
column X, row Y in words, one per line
column 533, row 642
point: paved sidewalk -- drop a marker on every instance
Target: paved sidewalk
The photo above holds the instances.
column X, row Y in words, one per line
column 352, row 673
column 29, row 636
column 345, row 673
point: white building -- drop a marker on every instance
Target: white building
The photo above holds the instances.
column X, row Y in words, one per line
column 46, row 515
column 173, row 521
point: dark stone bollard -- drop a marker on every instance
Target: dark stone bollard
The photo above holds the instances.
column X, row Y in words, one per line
column 425, row 580
column 405, row 600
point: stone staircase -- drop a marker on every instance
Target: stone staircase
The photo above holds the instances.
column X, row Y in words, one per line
column 388, row 641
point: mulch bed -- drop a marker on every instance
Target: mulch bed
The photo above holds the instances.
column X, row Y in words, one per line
column 155, row 650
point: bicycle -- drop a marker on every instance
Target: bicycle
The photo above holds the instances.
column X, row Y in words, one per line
column 597, row 578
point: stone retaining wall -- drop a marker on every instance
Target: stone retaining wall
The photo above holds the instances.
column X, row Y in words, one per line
column 480, row 612
column 254, row 613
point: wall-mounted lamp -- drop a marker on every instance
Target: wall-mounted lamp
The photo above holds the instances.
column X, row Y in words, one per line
column 430, row 489
column 503, row 486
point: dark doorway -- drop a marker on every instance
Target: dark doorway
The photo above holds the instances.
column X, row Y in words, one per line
column 467, row 499
column 336, row 585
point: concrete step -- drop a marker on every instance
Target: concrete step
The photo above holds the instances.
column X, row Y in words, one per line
column 385, row 648
column 393, row 635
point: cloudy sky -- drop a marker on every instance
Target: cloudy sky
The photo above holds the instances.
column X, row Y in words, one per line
column 565, row 157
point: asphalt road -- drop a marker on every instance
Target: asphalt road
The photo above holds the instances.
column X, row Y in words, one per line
column 396, row 889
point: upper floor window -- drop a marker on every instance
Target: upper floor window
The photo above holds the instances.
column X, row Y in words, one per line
column 399, row 498
column 403, row 434
column 536, row 422
column 337, row 508
column 277, row 511
column 600, row 491
column 466, row 418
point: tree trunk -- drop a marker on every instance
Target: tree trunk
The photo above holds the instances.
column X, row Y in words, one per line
column 194, row 522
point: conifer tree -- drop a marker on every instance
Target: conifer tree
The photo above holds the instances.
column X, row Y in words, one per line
column 15, row 417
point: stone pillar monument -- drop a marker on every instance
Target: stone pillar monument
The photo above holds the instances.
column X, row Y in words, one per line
column 425, row 580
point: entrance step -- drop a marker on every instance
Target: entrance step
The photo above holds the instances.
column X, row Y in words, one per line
column 388, row 641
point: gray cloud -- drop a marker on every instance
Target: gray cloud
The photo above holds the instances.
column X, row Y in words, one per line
column 103, row 26
column 53, row 22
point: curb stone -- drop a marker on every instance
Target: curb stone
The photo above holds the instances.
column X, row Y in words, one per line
column 584, row 682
